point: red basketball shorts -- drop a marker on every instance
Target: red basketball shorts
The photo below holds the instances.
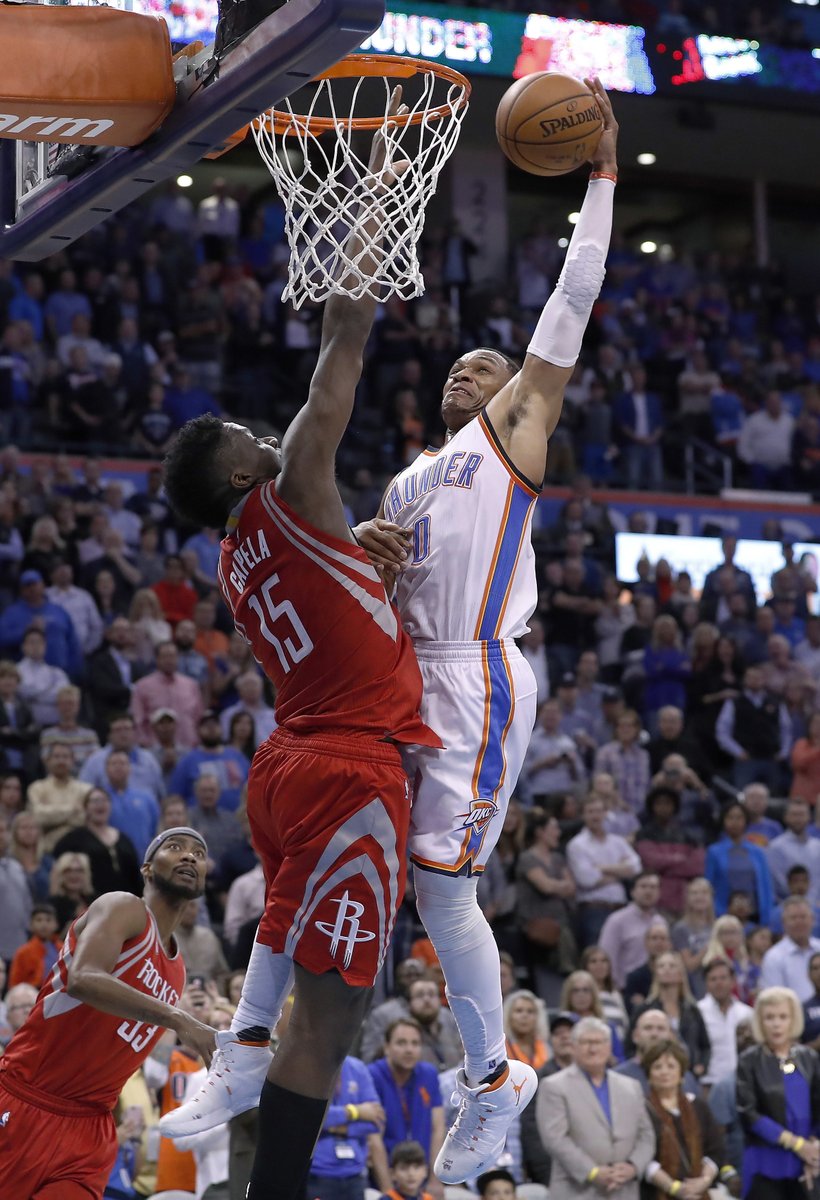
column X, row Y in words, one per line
column 47, row 1155
column 329, row 819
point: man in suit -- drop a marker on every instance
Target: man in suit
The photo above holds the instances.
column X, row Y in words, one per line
column 724, row 581
column 594, row 1123
column 639, row 423
column 112, row 672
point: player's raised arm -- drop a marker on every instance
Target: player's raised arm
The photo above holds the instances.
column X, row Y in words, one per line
column 525, row 412
column 308, row 478
column 107, row 925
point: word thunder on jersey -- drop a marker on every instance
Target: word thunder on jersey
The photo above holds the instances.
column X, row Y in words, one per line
column 471, row 576
column 317, row 617
column 68, row 1052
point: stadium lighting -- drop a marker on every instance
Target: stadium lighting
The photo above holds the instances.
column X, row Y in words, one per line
column 648, row 247
column 647, row 159
column 574, row 218
column 184, row 181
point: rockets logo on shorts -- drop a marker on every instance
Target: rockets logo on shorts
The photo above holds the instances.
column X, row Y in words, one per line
column 4, row 1120
column 345, row 931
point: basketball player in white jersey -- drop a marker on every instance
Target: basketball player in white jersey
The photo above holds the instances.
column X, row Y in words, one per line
column 465, row 590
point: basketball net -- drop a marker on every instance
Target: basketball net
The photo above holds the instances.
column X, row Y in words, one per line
column 319, row 161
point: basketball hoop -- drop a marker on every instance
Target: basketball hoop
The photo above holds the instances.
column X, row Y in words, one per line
column 325, row 184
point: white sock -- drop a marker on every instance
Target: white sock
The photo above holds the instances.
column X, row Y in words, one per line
column 267, row 986
column 469, row 959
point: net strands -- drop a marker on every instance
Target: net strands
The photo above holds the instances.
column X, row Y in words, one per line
column 332, row 193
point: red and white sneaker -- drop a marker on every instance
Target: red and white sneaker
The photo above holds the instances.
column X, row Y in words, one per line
column 234, row 1084
column 479, row 1132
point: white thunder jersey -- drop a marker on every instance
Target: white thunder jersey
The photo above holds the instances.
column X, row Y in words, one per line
column 471, row 576
column 469, row 588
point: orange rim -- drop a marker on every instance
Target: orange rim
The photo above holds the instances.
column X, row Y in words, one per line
column 371, row 66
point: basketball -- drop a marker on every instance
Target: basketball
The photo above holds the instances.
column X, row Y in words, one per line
column 548, row 124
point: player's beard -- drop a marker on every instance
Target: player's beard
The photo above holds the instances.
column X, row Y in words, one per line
column 173, row 889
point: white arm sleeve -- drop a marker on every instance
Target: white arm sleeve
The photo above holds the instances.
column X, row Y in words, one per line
column 562, row 324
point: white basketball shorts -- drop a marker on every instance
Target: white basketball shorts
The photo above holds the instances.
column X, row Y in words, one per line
column 479, row 697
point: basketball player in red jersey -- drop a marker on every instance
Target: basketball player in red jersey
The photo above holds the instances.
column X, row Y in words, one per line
column 328, row 800
column 111, row 995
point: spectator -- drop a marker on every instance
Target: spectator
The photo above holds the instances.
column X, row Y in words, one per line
column 623, row 932
column 354, row 1120
column 761, row 829
column 690, row 935
column 15, row 898
column 133, row 811
column 242, row 737
column 245, row 902
column 599, row 965
column 667, row 849
column 11, row 795
column 26, row 845
column 722, row 1012
column 440, row 1041
column 218, row 825
column 122, row 736
column 148, row 624
column 70, row 888
column 166, row 688
column 552, row 765
column 383, row 1015
column 210, row 641
column 735, row 864
column 689, row 1140
column 627, row 761
column 580, row 997
column 740, row 580
column 176, row 595
column 544, row 893
column 639, row 424
column 779, row 1110
column 20, row 1000
column 408, row 1090
column 78, row 605
column 638, row 985
column 211, row 757
column 670, row 738
column 786, row 964
column 525, row 1028
column 34, row 961
column 811, row 1007
column 112, row 672
column 33, row 609
column 191, row 662
column 599, row 862
column 199, row 945
column 533, row 648
column 67, row 730
column 805, row 762
column 794, row 848
column 765, row 444
column 670, row 992
column 408, row 1170
column 18, row 730
column 755, row 731
column 251, row 701
column 39, row 682
column 723, row 1103
column 167, row 750
column 576, row 1116
column 728, row 941
column 798, row 883
column 56, row 802
column 666, row 668
column 113, row 860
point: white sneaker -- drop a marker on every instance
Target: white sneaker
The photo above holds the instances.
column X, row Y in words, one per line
column 479, row 1132
column 234, row 1084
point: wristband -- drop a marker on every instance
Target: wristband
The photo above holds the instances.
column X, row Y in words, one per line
column 798, row 1143
column 593, row 1175
column 352, row 1112
column 675, row 1188
column 603, row 175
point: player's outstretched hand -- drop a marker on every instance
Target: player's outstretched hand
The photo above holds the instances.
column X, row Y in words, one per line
column 384, row 168
column 385, row 544
column 196, row 1035
column 605, row 157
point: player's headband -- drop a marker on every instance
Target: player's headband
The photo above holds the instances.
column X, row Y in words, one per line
column 169, row 833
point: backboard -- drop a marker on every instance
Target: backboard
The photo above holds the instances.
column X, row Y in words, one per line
column 50, row 195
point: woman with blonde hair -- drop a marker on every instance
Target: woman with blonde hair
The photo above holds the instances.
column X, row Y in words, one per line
column 70, row 888
column 525, row 1028
column 596, row 960
column 150, row 626
column 666, row 668
column 728, row 940
column 778, row 1101
column 45, row 547
column 580, row 995
column 692, row 933
column 26, row 845
column 670, row 992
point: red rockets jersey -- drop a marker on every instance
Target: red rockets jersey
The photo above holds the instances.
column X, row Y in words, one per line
column 78, row 1054
column 317, row 617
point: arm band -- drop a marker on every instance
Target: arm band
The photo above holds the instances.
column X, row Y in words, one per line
column 561, row 326
column 675, row 1188
column 593, row 1175
column 352, row 1112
